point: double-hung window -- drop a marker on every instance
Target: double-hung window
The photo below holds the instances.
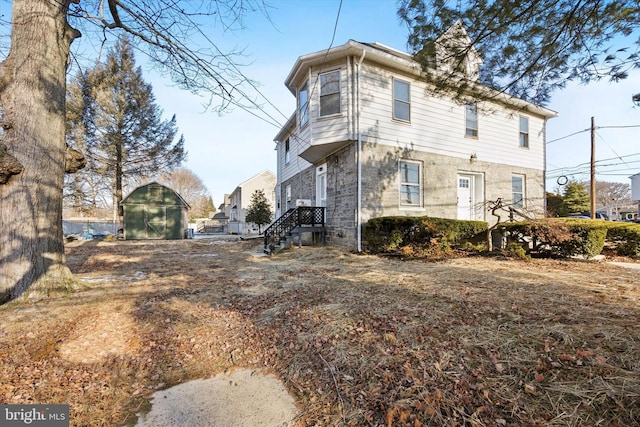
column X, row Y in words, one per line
column 401, row 100
column 517, row 191
column 330, row 93
column 303, row 105
column 471, row 120
column 410, row 183
column 524, row 131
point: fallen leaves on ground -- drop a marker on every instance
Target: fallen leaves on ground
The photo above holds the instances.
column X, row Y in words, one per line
column 358, row 340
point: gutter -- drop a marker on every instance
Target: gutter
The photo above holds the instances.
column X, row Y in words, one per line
column 359, row 208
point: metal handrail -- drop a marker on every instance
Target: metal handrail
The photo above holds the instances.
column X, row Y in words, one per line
column 294, row 217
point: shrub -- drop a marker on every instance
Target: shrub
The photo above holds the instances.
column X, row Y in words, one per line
column 624, row 238
column 418, row 236
column 570, row 237
column 588, row 240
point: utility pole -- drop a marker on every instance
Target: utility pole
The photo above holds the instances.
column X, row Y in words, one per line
column 593, row 168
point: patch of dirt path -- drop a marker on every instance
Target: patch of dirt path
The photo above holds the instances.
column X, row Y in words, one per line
column 242, row 398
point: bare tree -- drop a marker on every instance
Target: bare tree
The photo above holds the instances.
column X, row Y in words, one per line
column 191, row 188
column 33, row 153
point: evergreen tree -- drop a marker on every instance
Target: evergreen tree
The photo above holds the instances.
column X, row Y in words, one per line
column 33, row 153
column 555, row 205
column 259, row 211
column 576, row 198
column 120, row 126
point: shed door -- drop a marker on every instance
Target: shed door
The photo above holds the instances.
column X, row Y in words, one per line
column 156, row 222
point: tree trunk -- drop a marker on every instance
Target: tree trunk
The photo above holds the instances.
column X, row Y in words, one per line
column 118, row 192
column 32, row 97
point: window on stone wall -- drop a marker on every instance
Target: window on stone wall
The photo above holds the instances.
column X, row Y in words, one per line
column 517, row 191
column 410, row 183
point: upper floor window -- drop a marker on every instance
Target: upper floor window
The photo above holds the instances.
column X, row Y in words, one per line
column 287, row 151
column 303, row 105
column 524, row 131
column 330, row 93
column 401, row 100
column 517, row 191
column 471, row 120
column 410, row 183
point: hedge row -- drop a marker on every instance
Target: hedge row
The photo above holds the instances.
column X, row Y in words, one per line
column 568, row 237
column 428, row 236
column 419, row 235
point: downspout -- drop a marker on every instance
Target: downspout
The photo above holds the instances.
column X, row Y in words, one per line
column 359, row 214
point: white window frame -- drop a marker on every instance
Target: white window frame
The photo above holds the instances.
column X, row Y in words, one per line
column 399, row 101
column 328, row 92
column 287, row 194
column 524, row 131
column 403, row 182
column 287, row 151
column 518, row 198
column 303, row 105
column 471, row 120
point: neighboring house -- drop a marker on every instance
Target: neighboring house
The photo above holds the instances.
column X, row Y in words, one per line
column 155, row 211
column 370, row 139
column 240, row 199
column 635, row 187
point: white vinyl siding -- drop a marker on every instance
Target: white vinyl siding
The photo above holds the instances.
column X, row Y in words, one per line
column 438, row 125
column 330, row 93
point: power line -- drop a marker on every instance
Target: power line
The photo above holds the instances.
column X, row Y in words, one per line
column 596, row 128
column 570, row 135
column 588, row 163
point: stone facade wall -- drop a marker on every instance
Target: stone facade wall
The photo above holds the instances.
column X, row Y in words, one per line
column 381, row 187
column 303, row 186
column 342, row 201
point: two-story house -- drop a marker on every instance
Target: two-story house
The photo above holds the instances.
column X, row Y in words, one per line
column 370, row 137
column 240, row 200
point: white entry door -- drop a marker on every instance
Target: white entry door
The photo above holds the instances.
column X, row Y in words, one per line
column 465, row 197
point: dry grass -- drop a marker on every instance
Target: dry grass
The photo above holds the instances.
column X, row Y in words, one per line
column 358, row 340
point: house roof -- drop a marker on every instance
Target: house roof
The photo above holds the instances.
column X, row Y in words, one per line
column 373, row 52
column 392, row 58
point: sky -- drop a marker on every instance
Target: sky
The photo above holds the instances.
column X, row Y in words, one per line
column 226, row 150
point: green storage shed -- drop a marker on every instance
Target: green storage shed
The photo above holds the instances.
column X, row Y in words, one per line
column 155, row 211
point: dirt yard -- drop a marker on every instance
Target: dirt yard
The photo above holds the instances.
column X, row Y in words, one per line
column 357, row 340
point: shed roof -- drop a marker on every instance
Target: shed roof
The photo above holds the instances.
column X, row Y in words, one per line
column 129, row 199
